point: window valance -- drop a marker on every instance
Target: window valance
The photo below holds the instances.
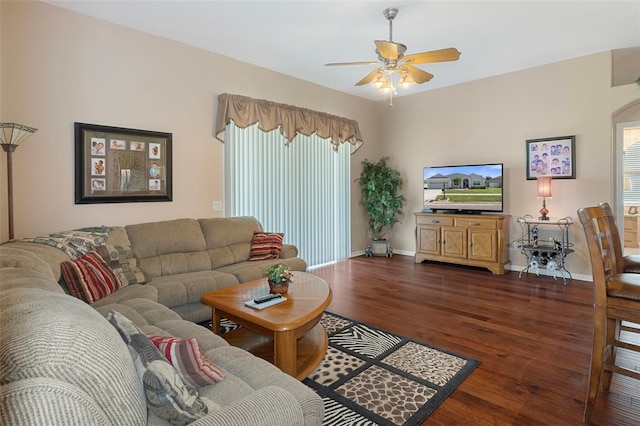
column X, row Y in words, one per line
column 291, row 120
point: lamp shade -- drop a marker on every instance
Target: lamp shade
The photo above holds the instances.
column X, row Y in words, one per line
column 14, row 134
column 544, row 186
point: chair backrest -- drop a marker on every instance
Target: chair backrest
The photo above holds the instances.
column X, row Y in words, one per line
column 598, row 236
column 616, row 242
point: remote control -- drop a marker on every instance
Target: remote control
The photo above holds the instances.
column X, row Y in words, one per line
column 263, row 299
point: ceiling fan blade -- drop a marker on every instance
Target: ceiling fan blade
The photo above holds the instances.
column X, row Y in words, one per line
column 333, row 64
column 416, row 74
column 390, row 50
column 372, row 76
column 442, row 55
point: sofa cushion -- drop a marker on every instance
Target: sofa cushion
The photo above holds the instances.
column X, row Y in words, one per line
column 245, row 373
column 168, row 396
column 177, row 290
column 170, row 236
column 229, row 255
column 89, row 278
column 250, row 271
column 225, row 231
column 118, row 236
column 174, row 264
column 229, row 239
column 133, row 291
column 187, row 358
column 122, row 262
column 266, row 245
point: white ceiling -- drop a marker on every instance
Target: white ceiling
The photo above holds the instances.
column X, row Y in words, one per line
column 298, row 37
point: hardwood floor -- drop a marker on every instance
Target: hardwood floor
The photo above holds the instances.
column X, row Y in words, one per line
column 532, row 337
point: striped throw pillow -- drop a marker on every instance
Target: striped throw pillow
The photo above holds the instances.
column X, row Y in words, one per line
column 266, row 245
column 89, row 278
column 187, row 358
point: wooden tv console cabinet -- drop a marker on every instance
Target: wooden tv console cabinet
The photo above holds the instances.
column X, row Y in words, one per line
column 474, row 240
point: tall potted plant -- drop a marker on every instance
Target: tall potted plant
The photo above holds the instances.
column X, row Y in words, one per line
column 380, row 186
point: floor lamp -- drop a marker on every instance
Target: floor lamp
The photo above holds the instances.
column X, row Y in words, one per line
column 12, row 135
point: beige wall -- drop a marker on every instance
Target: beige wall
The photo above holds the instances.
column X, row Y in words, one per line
column 58, row 67
column 489, row 121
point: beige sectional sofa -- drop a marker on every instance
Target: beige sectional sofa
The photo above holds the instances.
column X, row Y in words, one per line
column 62, row 362
column 183, row 259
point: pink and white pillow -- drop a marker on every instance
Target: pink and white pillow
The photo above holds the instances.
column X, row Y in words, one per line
column 187, row 358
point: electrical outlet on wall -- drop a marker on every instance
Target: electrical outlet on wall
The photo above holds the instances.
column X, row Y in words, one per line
column 217, row 205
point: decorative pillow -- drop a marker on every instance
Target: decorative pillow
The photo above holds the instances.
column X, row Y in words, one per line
column 187, row 358
column 122, row 261
column 89, row 278
column 168, row 397
column 266, row 245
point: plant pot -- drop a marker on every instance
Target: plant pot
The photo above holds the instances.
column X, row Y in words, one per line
column 380, row 247
column 280, row 288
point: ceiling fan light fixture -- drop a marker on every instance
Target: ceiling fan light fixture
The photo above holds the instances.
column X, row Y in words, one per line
column 379, row 81
column 406, row 81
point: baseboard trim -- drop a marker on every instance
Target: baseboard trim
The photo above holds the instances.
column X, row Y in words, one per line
column 510, row 267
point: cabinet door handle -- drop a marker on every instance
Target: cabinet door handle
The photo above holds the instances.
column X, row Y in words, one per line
column 474, row 223
column 435, row 221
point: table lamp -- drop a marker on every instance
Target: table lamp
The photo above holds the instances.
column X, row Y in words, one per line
column 544, row 191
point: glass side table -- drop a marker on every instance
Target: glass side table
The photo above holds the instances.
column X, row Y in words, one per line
column 545, row 253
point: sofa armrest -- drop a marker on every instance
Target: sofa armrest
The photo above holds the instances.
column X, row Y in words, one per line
column 43, row 400
column 269, row 406
column 288, row 250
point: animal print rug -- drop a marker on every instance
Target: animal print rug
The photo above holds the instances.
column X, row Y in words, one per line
column 373, row 377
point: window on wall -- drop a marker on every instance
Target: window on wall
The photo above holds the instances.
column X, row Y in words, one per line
column 301, row 189
column 631, row 167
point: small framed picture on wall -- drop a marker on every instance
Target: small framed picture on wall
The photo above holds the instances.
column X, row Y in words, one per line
column 554, row 157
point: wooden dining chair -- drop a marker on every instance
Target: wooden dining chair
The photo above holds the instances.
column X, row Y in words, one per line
column 616, row 299
column 629, row 263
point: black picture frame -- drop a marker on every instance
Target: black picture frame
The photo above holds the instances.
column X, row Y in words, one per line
column 119, row 165
column 554, row 157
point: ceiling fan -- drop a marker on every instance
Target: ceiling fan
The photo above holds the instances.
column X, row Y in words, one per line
column 395, row 65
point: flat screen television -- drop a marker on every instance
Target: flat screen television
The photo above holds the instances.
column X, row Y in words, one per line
column 470, row 189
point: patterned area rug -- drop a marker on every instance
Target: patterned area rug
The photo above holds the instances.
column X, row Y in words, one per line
column 373, row 377
column 370, row 376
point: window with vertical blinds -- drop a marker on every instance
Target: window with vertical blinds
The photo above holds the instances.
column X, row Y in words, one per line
column 632, row 173
column 301, row 189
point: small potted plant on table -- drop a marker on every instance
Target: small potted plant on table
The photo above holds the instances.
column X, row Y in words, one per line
column 279, row 277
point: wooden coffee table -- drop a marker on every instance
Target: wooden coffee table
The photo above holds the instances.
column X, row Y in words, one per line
column 288, row 334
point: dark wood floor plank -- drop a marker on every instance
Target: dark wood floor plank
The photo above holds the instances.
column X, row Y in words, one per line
column 532, row 336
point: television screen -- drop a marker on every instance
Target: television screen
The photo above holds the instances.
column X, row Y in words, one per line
column 467, row 189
